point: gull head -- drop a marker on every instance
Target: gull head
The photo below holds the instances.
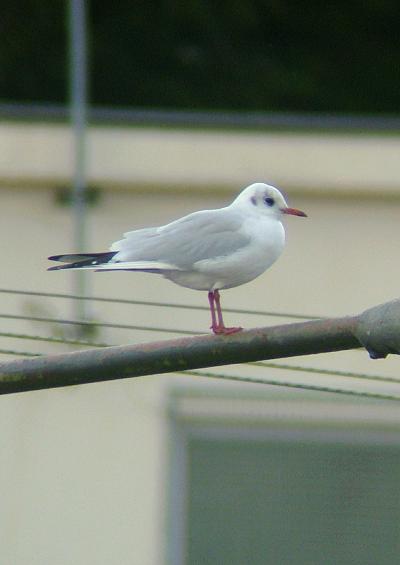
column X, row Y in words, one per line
column 266, row 200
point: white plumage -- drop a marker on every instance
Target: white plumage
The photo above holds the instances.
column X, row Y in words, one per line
column 208, row 250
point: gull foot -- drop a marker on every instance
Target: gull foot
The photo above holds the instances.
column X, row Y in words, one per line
column 222, row 330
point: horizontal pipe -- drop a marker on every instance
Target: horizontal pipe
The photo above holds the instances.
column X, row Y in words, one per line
column 94, row 365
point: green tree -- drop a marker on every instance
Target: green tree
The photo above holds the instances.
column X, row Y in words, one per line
column 242, row 54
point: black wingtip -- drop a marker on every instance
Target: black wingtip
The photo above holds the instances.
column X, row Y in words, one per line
column 71, row 257
column 80, row 260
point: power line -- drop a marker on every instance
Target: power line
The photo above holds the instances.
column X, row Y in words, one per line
column 302, row 386
column 97, row 324
column 330, row 372
column 53, row 339
column 19, row 353
column 157, row 304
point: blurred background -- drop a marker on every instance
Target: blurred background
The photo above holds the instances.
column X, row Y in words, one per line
column 115, row 117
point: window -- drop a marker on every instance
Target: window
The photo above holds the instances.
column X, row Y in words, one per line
column 283, row 481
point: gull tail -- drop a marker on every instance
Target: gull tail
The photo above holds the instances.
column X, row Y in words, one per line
column 103, row 262
column 82, row 260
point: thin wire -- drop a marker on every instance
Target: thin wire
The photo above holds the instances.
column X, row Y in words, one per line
column 332, row 372
column 52, row 339
column 19, row 353
column 97, row 324
column 158, row 304
column 302, row 386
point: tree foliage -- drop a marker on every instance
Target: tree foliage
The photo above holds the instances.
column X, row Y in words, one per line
column 280, row 55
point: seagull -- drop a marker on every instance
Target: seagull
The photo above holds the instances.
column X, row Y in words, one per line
column 209, row 250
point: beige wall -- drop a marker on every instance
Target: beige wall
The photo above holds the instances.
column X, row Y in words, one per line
column 171, row 158
column 340, row 260
column 85, row 467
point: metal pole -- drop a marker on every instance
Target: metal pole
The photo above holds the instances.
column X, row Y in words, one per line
column 120, row 362
column 78, row 112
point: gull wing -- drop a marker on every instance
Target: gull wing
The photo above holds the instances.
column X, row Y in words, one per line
column 202, row 235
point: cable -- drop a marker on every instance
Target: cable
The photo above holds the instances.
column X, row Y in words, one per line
column 302, row 386
column 157, row 304
column 19, row 353
column 51, row 339
column 332, row 372
column 97, row 324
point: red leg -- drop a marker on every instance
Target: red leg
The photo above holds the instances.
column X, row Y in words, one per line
column 211, row 301
column 219, row 310
column 220, row 327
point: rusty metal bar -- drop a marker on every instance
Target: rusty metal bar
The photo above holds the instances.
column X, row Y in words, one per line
column 94, row 365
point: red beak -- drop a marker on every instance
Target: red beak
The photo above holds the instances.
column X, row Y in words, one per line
column 293, row 212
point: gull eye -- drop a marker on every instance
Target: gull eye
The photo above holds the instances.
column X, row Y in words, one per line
column 269, row 201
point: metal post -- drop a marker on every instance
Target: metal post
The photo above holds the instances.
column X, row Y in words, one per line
column 78, row 109
column 95, row 365
column 377, row 329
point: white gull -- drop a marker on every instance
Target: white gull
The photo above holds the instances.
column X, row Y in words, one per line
column 208, row 250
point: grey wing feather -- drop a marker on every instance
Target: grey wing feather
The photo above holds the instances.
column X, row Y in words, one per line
column 202, row 235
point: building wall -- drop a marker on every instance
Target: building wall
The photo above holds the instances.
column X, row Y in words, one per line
column 86, row 467
column 342, row 162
